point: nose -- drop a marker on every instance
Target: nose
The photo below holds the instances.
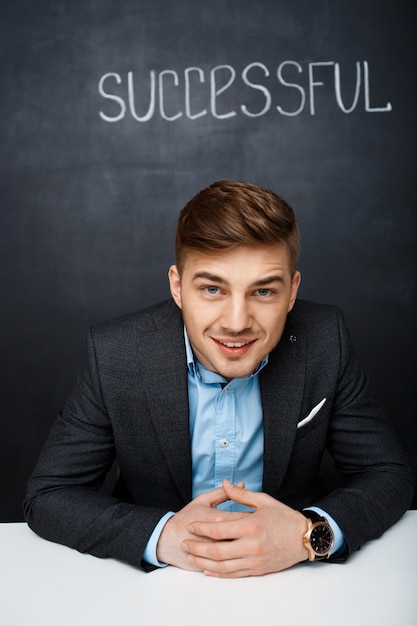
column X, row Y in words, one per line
column 236, row 314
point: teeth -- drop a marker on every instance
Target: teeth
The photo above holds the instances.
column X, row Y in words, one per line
column 234, row 345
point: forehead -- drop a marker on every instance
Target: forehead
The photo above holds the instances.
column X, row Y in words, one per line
column 251, row 262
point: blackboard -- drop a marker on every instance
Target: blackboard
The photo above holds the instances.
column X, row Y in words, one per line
column 113, row 114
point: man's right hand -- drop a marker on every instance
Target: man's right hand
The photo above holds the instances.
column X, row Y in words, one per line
column 175, row 532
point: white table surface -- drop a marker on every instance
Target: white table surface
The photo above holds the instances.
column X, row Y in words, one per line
column 46, row 584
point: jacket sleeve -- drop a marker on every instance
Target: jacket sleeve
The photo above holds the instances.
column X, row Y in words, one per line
column 378, row 483
column 63, row 501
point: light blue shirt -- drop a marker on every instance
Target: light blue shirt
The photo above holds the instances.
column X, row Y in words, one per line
column 226, row 430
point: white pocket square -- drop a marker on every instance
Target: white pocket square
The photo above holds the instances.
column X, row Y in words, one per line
column 312, row 413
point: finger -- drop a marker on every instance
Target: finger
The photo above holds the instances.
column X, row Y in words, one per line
column 219, row 551
column 212, row 498
column 216, row 496
column 219, row 529
column 209, row 529
column 232, row 568
column 238, row 493
column 240, row 573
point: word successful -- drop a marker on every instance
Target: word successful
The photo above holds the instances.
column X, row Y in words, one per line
column 172, row 95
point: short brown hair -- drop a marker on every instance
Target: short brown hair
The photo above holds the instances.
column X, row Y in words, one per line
column 231, row 213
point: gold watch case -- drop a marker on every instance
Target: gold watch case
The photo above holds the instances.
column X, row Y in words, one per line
column 318, row 539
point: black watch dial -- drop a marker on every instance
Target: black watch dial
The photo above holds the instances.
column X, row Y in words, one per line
column 321, row 539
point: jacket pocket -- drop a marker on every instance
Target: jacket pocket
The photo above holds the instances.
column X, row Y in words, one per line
column 311, row 415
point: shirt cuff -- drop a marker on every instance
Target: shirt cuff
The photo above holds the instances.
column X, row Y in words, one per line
column 339, row 537
column 149, row 554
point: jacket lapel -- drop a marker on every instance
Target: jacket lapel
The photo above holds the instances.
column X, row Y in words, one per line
column 163, row 363
column 282, row 386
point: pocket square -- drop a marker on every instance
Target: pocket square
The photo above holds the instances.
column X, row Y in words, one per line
column 312, row 413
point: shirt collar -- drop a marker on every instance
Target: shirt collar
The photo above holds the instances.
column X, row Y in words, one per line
column 196, row 369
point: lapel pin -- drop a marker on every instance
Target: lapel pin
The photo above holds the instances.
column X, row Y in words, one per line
column 293, row 338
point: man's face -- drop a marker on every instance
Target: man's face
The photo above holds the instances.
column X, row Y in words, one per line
column 235, row 304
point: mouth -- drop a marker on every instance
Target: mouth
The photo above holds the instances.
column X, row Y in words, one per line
column 229, row 344
column 233, row 348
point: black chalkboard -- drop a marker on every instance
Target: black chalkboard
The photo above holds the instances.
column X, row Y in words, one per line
column 113, row 114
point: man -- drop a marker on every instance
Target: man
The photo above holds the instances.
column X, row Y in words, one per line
column 218, row 408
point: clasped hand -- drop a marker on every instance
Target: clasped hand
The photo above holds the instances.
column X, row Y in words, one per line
column 233, row 544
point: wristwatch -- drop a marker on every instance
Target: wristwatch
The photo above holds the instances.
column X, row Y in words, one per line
column 319, row 536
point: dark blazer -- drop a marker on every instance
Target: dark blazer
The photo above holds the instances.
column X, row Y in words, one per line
column 130, row 402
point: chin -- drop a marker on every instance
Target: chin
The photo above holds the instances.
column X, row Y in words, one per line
column 232, row 371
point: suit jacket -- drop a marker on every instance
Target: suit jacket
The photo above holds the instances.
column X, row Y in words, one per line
column 130, row 402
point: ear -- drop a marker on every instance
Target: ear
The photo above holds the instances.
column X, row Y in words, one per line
column 295, row 283
column 175, row 284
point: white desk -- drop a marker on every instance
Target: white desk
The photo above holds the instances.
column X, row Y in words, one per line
column 45, row 584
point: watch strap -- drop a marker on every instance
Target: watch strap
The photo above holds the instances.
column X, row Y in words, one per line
column 313, row 515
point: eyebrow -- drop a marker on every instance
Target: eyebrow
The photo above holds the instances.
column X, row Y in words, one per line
column 275, row 278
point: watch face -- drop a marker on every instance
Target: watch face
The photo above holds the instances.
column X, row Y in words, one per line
column 321, row 539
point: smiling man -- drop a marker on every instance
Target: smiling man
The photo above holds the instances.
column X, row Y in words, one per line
column 218, row 406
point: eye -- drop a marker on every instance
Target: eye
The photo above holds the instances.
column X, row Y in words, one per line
column 264, row 292
column 212, row 290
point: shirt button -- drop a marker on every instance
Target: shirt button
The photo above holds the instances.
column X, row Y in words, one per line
column 227, row 389
column 224, row 443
